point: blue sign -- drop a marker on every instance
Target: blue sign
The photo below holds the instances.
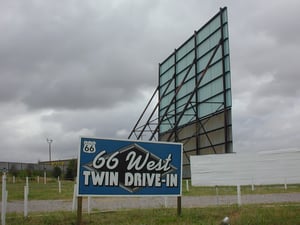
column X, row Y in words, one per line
column 127, row 167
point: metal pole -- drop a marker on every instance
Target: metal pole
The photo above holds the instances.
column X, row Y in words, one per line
column 45, row 175
column 49, row 144
column 3, row 210
column 25, row 201
column 239, row 198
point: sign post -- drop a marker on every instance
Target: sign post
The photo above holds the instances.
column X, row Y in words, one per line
column 108, row 167
column 79, row 210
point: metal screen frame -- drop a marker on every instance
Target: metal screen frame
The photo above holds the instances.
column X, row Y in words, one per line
column 194, row 95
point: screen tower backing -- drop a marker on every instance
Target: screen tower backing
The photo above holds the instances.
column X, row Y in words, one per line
column 194, row 95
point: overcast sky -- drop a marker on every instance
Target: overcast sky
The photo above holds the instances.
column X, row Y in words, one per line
column 88, row 68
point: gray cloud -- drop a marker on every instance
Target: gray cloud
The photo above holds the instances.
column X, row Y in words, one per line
column 75, row 58
column 88, row 68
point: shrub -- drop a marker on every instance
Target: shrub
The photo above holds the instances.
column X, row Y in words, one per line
column 71, row 172
column 56, row 171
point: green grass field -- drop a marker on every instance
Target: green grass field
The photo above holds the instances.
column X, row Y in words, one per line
column 49, row 191
column 252, row 214
column 40, row 191
column 271, row 214
column 231, row 190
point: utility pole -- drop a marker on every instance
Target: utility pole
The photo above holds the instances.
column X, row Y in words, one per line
column 49, row 144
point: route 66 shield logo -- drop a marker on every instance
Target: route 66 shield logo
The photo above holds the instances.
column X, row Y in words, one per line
column 89, row 147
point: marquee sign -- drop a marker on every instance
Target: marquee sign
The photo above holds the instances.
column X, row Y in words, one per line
column 127, row 167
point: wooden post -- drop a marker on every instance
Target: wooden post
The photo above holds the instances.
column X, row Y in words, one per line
column 179, row 206
column 79, row 210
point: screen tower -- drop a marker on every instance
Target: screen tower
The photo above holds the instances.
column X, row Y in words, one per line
column 192, row 103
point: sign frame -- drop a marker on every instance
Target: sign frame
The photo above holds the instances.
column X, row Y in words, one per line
column 122, row 167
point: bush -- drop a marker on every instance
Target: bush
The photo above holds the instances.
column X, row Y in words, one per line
column 56, row 171
column 71, row 172
column 13, row 171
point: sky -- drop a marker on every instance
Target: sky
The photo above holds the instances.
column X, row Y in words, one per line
column 74, row 68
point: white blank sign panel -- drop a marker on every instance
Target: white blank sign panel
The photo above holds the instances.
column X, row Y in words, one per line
column 272, row 167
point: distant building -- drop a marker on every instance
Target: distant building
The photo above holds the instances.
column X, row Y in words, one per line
column 40, row 166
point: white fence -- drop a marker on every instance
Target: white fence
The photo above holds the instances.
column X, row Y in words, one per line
column 26, row 189
column 273, row 167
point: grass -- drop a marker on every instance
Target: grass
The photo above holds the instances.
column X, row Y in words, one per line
column 231, row 190
column 251, row 214
column 247, row 214
column 49, row 191
column 40, row 191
